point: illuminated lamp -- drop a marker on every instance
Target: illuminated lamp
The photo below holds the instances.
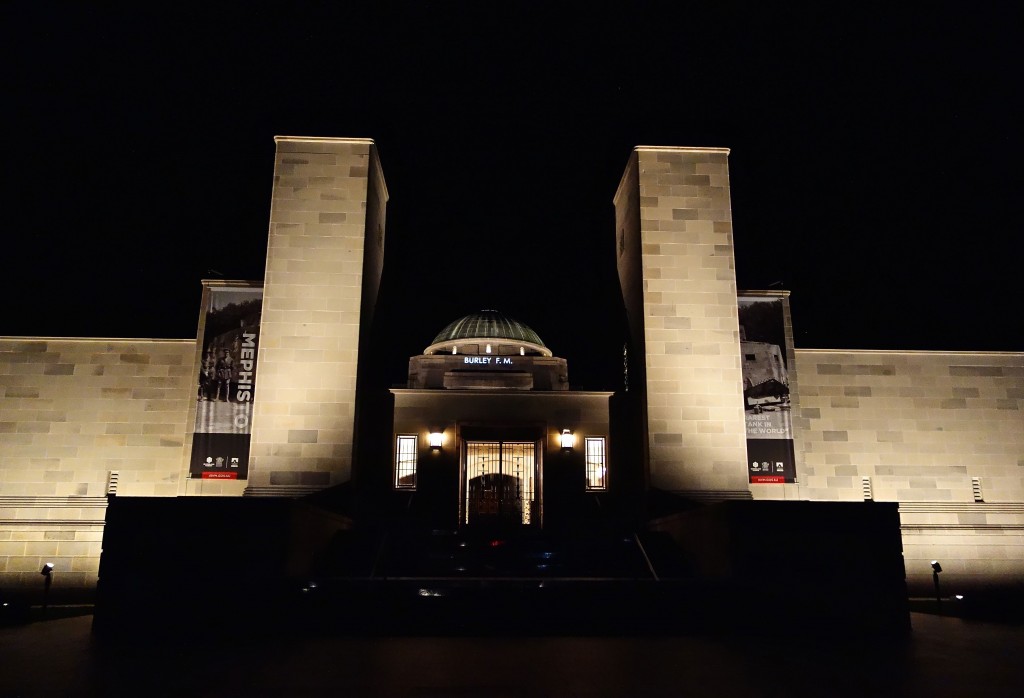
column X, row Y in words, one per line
column 436, row 438
column 567, row 440
column 47, row 573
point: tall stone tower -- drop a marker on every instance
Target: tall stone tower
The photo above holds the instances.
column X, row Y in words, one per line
column 324, row 263
column 675, row 262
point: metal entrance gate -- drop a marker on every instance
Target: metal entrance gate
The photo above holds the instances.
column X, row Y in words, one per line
column 500, row 483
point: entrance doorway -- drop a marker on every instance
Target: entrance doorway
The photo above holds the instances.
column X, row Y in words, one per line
column 500, row 483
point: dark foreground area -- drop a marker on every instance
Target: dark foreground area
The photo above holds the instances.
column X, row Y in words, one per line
column 942, row 657
column 302, row 566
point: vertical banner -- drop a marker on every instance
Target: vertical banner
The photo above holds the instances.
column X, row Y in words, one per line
column 766, row 404
column 227, row 382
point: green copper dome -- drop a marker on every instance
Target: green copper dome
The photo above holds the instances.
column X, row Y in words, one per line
column 487, row 324
column 488, row 332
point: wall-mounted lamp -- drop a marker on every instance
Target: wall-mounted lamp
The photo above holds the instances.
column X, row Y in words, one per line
column 436, row 438
column 567, row 440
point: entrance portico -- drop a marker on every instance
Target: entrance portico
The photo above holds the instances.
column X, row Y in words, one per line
column 496, row 404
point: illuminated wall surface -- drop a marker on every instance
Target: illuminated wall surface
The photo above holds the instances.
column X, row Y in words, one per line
column 326, row 215
column 675, row 262
column 71, row 412
column 941, row 433
column 921, row 425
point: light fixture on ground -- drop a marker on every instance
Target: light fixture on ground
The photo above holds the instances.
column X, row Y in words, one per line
column 936, row 568
column 47, row 572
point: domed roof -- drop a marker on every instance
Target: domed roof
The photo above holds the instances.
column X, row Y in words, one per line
column 487, row 325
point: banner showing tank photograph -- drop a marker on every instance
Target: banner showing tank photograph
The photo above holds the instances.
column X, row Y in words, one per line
column 766, row 400
column 226, row 384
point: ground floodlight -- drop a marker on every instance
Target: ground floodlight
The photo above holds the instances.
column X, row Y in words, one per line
column 936, row 568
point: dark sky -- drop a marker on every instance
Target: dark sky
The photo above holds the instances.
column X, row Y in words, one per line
column 874, row 159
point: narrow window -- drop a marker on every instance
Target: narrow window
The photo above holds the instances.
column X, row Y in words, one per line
column 750, row 357
column 597, row 471
column 405, row 463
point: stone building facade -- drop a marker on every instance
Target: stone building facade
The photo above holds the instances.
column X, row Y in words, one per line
column 941, row 433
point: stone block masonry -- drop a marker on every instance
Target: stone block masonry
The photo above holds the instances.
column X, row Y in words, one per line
column 922, row 426
column 326, row 221
column 676, row 269
column 919, row 424
column 72, row 411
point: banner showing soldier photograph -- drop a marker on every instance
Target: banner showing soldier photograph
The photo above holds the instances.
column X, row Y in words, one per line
column 770, row 453
column 227, row 382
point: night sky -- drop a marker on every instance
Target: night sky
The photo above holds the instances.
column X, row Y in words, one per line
column 874, row 165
